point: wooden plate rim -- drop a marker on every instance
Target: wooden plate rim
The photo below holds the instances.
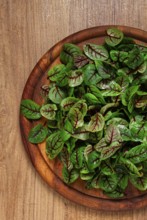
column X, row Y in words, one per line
column 36, row 158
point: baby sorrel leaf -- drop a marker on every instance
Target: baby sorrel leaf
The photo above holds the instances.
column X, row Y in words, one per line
column 108, row 183
column 114, row 37
column 110, row 150
column 96, row 52
column 65, row 158
column 56, row 94
column 68, row 102
column 68, row 53
column 54, row 144
column 93, row 160
column 80, row 60
column 135, row 59
column 96, row 123
column 91, row 99
column 38, row 134
column 69, row 176
column 96, row 92
column 91, row 75
column 81, row 106
column 112, row 134
column 137, row 154
column 112, row 89
column 101, row 145
column 48, row 111
column 75, row 78
column 138, row 130
column 76, row 118
column 30, row 109
column 55, row 72
column 132, row 169
column 81, row 133
column 139, row 182
column 77, row 157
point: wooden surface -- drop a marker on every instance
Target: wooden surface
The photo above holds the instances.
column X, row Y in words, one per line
column 27, row 30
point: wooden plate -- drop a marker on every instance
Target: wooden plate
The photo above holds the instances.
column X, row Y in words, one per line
column 51, row 170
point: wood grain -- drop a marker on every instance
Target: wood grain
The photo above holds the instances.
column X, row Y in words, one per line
column 28, row 29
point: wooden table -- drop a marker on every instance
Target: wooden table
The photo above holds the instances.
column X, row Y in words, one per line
column 27, row 29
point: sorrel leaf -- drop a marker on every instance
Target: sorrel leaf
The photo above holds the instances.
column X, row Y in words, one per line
column 30, row 109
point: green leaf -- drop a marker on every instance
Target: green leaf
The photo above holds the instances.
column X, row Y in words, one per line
column 140, row 101
column 113, row 89
column 77, row 157
column 54, row 145
column 52, row 124
column 123, row 72
column 69, row 176
column 114, row 37
column 137, row 154
column 105, row 71
column 68, row 127
column 96, row 52
column 55, row 72
column 101, row 145
column 130, row 166
column 138, row 130
column 93, row 160
column 139, row 182
column 91, row 76
column 81, row 106
column 68, row 102
column 142, row 68
column 62, row 80
column 38, row 134
column 49, row 111
column 88, row 149
column 108, row 183
column 65, row 135
column 107, row 106
column 30, row 109
column 95, row 182
column 122, row 181
column 106, row 168
column 123, row 81
column 65, row 158
column 81, row 133
column 135, row 59
column 94, row 137
column 110, row 150
column 112, row 134
column 71, row 144
column 56, row 94
column 91, row 99
column 96, row 92
column 118, row 55
column 75, row 117
column 80, row 60
column 75, row 78
column 111, row 114
column 117, row 193
column 128, row 94
column 131, row 105
column 96, row 123
column 87, row 176
column 125, row 133
column 68, row 53
column 118, row 122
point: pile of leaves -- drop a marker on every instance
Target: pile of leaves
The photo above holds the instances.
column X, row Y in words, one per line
column 95, row 108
